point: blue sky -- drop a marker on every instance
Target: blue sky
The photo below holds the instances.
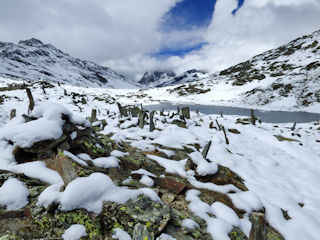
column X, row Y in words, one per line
column 188, row 15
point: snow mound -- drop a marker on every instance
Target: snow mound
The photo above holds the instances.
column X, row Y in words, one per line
column 13, row 194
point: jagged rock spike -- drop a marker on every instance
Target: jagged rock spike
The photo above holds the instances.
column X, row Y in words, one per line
column 206, row 149
column 225, row 135
column 31, row 100
column 186, row 112
column 142, row 116
column 13, row 113
column 219, row 127
column 93, row 117
column 43, row 90
column 151, row 125
column 253, row 118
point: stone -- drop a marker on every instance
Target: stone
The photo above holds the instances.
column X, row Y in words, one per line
column 13, row 114
column 224, row 176
column 179, row 123
column 151, row 124
column 185, row 112
column 142, row 117
column 140, row 232
column 282, row 139
column 170, row 184
column 93, row 117
column 237, row 234
column 258, row 230
column 31, row 100
column 64, row 166
column 141, row 213
column 206, row 149
column 234, row 131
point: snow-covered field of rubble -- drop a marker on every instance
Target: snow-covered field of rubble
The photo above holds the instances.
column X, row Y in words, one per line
column 280, row 166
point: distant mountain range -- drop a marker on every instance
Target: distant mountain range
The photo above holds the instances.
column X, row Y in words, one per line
column 33, row 60
column 169, row 78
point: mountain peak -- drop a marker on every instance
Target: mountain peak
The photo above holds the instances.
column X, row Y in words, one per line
column 32, row 60
column 32, row 42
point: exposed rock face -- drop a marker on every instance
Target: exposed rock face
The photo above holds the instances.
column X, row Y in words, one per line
column 169, row 78
column 33, row 60
column 150, row 78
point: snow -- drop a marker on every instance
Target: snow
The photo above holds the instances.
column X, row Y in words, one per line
column 84, row 192
column 217, row 227
column 143, row 172
column 50, row 195
column 225, row 213
column 39, row 171
column 13, row 194
column 106, row 162
column 75, row 158
column 117, row 153
column 146, row 180
column 189, row 223
column 165, row 236
column 279, row 175
column 120, row 234
column 203, row 166
column 171, row 166
column 74, row 232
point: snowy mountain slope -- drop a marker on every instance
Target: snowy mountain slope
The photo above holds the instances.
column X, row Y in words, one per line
column 285, row 78
column 33, row 60
column 163, row 79
column 292, row 70
column 64, row 169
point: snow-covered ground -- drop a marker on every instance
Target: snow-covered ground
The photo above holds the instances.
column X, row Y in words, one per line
column 280, row 175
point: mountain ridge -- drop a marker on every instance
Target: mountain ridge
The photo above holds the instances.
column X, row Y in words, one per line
column 33, row 60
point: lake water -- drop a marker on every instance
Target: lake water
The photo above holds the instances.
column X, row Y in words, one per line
column 265, row 116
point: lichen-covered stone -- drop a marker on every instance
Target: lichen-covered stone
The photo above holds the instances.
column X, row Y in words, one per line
column 154, row 215
column 141, row 232
column 237, row 234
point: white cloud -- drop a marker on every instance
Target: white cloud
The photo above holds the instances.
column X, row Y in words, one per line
column 95, row 29
column 258, row 26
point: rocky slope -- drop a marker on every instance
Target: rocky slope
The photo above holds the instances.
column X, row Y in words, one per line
column 105, row 171
column 291, row 70
column 169, row 78
column 33, row 60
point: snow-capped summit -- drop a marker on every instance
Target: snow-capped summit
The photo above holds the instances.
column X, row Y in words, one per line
column 32, row 42
column 33, row 60
column 169, row 78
